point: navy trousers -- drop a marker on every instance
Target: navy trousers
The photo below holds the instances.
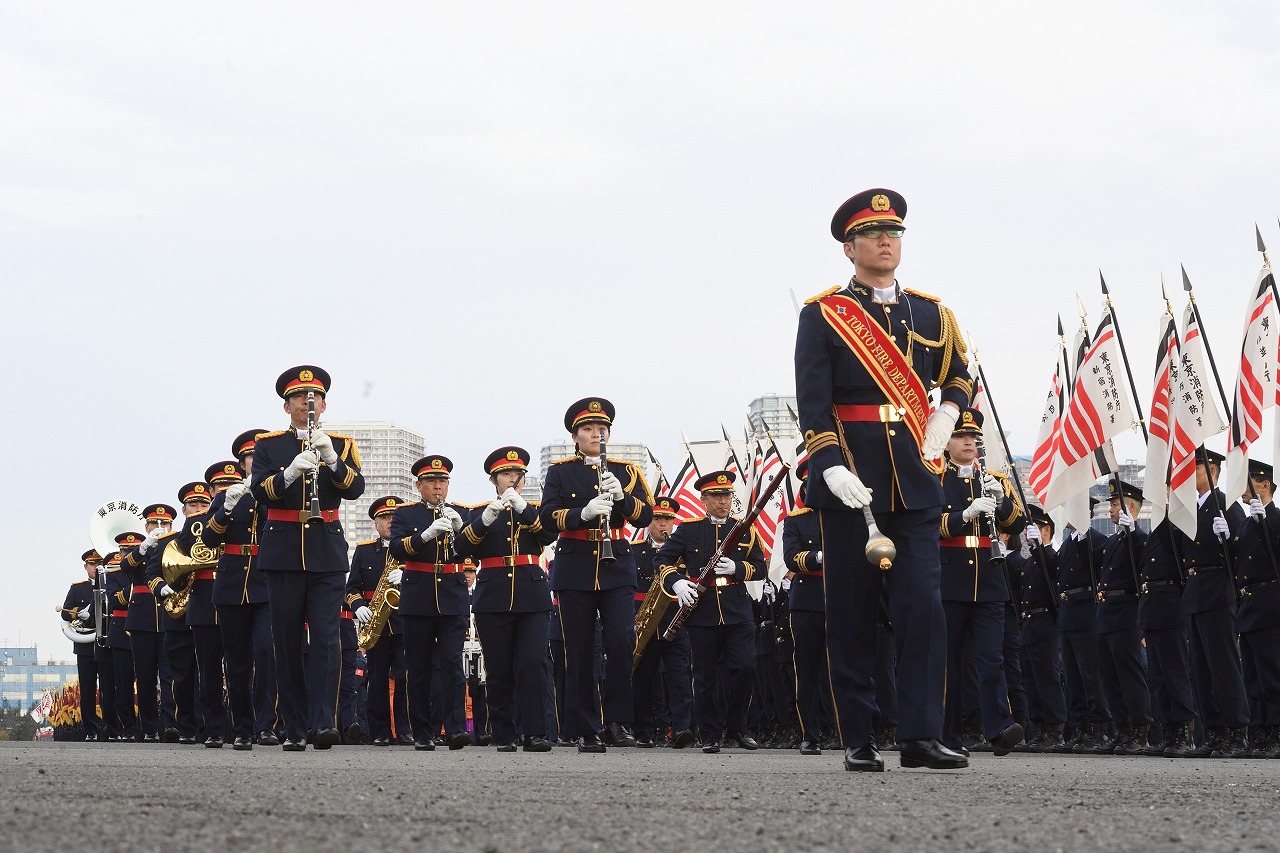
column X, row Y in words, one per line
column 673, row 657
column 314, row 600
column 1215, row 669
column 983, row 623
column 145, row 646
column 735, row 646
column 1124, row 681
column 514, row 646
column 251, row 667
column 435, row 642
column 586, row 706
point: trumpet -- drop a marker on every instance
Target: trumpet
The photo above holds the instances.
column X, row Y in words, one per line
column 606, row 545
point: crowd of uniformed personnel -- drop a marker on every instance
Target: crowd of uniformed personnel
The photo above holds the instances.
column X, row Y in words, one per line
column 982, row 634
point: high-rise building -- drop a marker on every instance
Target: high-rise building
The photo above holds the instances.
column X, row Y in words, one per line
column 769, row 412
column 387, row 452
column 24, row 679
column 636, row 454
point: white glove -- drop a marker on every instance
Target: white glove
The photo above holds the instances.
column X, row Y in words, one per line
column 596, row 507
column 454, row 519
column 609, row 483
column 439, row 527
column 1033, row 533
column 937, row 431
column 395, row 576
column 979, row 506
column 725, row 566
column 1220, row 527
column 1125, row 521
column 301, row 464
column 363, row 614
column 846, row 486
column 491, row 512
column 1256, row 509
column 512, row 499
column 786, row 584
column 818, row 556
column 165, row 591
column 149, row 541
column 686, row 592
column 83, row 614
column 992, row 486
column 232, row 496
column 324, row 446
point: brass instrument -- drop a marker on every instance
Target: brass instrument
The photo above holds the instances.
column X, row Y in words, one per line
column 109, row 521
column 312, row 507
column 473, row 654
column 386, row 598
column 179, row 569
column 606, row 545
column 648, row 617
column 78, row 631
column 880, row 550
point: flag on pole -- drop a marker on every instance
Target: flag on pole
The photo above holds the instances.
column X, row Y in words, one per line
column 734, row 465
column 1194, row 372
column 1255, row 385
column 660, row 485
column 685, row 493
column 769, row 520
column 801, row 455
column 1046, row 451
column 997, row 455
column 1160, row 420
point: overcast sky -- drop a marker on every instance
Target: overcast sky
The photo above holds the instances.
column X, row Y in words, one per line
column 474, row 214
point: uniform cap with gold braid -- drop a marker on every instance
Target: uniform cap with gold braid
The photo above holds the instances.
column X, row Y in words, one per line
column 969, row 422
column 665, row 506
column 225, row 473
column 129, row 540
column 243, row 443
column 434, row 466
column 874, row 208
column 162, row 513
column 802, row 470
column 1130, row 491
column 589, row 410
column 301, row 379
column 716, row 483
column 195, row 491
column 91, row 556
column 384, row 506
column 113, row 560
column 509, row 458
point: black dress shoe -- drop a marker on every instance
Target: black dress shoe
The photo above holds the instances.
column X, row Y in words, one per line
column 439, row 740
column 484, row 740
column 505, row 747
column 405, row 739
column 1007, row 740
column 683, row 738
column 382, row 741
column 213, row 742
column 326, row 738
column 930, row 752
column 590, row 743
column 187, row 740
column 293, row 745
column 616, row 734
column 458, row 740
column 90, row 738
column 268, row 739
column 810, row 747
column 242, row 743
column 865, row 758
column 742, row 739
column 170, row 735
column 151, row 739
column 560, row 741
column 711, row 747
column 353, row 735
column 534, row 743
column 424, row 745
column 644, row 741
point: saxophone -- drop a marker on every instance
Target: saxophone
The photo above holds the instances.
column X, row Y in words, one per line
column 648, row 617
column 385, row 599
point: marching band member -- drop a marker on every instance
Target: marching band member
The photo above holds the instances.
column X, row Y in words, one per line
column 119, row 587
column 79, row 605
column 368, row 564
column 802, row 553
column 144, row 623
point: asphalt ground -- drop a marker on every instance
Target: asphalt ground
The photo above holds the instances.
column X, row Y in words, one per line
column 137, row 798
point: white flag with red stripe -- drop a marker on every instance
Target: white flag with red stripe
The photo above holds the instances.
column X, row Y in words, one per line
column 684, row 492
column 1255, row 385
column 1046, row 451
column 769, row 520
column 996, row 454
column 1160, row 421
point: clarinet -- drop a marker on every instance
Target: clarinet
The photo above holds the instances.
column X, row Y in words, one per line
column 606, row 545
column 980, row 471
column 312, row 508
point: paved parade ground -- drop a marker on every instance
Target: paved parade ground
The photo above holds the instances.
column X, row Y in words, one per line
column 169, row 798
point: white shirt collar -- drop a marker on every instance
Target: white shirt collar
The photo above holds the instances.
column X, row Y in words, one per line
column 885, row 294
column 964, row 470
column 714, row 520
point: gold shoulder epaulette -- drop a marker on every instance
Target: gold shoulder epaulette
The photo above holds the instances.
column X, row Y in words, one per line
column 999, row 475
column 534, row 503
column 407, row 503
column 339, row 435
column 564, row 460
column 472, row 506
column 915, row 292
column 86, row 580
column 167, row 535
column 368, row 541
column 693, row 518
column 801, row 511
column 827, row 292
column 263, row 435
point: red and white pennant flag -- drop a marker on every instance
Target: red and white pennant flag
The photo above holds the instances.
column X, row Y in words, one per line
column 1255, row 387
column 1160, row 421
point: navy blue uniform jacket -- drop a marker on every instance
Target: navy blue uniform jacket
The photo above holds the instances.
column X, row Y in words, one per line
column 428, row 593
column 801, row 544
column 687, row 552
column 239, row 579
column 507, row 588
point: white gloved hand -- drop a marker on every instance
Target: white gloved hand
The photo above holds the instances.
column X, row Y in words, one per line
column 686, row 592
column 491, row 512
column 83, row 614
column 1124, row 521
column 149, row 542
column 979, row 506
column 165, row 591
column 439, row 527
column 1004, row 549
column 363, row 614
column 454, row 519
column 1033, row 533
column 846, row 486
column 937, row 431
column 395, row 576
column 725, row 566
column 1256, row 509
column 232, row 496
column 1220, row 527
column 596, row 507
column 818, row 556
column 610, row 484
column 324, row 446
column 992, row 486
column 513, row 499
column 301, row 464
column 786, row 584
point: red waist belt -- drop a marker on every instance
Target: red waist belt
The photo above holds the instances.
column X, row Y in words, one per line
column 347, row 614
column 966, row 542
column 206, row 574
column 119, row 614
column 591, row 535
column 369, row 594
column 641, row 596
column 295, row 515
column 721, row 580
column 508, row 562
column 885, row 413
column 240, row 550
column 434, row 568
column 141, row 589
column 818, row 573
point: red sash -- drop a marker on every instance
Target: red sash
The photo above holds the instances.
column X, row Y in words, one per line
column 879, row 353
